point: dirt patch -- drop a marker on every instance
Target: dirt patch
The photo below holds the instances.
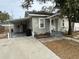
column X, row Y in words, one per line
column 74, row 35
column 65, row 49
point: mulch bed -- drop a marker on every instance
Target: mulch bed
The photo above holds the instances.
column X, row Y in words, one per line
column 65, row 49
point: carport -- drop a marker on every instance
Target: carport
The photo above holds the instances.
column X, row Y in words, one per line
column 22, row 26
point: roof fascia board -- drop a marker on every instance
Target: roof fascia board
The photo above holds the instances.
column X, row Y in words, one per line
column 37, row 15
column 52, row 16
column 21, row 19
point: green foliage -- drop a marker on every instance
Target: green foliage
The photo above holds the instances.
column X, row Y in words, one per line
column 4, row 16
column 68, row 8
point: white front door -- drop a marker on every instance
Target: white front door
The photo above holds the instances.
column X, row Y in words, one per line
column 56, row 24
column 53, row 25
column 53, row 28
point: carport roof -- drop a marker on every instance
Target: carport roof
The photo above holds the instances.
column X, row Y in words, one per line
column 20, row 19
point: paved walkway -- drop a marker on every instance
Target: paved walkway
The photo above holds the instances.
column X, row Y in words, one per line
column 24, row 48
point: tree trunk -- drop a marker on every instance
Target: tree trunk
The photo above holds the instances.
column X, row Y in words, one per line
column 70, row 27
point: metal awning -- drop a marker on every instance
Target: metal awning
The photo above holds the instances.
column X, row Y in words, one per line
column 18, row 20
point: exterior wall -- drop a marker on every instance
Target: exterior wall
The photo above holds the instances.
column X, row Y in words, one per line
column 60, row 25
column 76, row 26
column 54, row 24
column 66, row 24
column 57, row 23
column 35, row 25
column 47, row 25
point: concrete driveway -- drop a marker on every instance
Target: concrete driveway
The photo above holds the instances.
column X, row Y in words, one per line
column 24, row 48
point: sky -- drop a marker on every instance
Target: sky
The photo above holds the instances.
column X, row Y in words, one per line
column 13, row 7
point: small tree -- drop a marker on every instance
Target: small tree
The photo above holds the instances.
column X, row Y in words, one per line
column 69, row 8
column 4, row 16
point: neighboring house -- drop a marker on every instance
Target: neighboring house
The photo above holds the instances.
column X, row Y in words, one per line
column 38, row 23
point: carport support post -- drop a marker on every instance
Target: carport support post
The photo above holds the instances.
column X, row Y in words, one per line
column 50, row 26
column 33, row 33
column 9, row 33
column 32, row 29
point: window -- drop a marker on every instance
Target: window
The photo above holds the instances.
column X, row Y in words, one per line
column 63, row 23
column 41, row 23
column 52, row 22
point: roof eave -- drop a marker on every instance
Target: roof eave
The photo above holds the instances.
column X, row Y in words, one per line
column 20, row 19
column 38, row 15
column 53, row 16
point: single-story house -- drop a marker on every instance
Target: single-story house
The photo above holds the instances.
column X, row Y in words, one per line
column 38, row 23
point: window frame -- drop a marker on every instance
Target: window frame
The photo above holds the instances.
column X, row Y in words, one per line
column 40, row 23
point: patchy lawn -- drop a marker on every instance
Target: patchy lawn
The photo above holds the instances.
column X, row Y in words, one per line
column 65, row 49
column 74, row 35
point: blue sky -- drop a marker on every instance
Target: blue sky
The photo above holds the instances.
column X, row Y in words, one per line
column 13, row 7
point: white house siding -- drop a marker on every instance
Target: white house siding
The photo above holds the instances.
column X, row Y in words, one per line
column 56, row 24
column 76, row 27
column 47, row 25
column 66, row 24
column 35, row 25
column 60, row 25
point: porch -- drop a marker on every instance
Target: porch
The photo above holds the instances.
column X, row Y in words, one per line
column 57, row 25
column 51, row 29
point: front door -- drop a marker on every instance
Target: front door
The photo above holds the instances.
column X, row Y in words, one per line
column 56, row 24
column 52, row 25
